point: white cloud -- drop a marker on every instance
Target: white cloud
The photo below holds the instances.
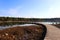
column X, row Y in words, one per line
column 54, row 8
column 11, row 12
column 54, row 12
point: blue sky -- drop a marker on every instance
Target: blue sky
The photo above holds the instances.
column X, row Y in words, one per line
column 30, row 8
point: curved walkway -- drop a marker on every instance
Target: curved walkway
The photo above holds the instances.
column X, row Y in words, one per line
column 53, row 33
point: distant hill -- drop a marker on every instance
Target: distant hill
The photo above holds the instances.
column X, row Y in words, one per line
column 30, row 19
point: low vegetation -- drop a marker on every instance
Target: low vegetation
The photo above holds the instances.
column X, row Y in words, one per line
column 22, row 33
column 57, row 25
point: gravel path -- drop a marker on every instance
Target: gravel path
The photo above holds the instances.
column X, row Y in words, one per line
column 53, row 33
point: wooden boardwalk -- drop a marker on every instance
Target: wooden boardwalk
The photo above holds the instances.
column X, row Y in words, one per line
column 53, row 33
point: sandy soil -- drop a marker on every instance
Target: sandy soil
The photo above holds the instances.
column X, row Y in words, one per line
column 53, row 33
